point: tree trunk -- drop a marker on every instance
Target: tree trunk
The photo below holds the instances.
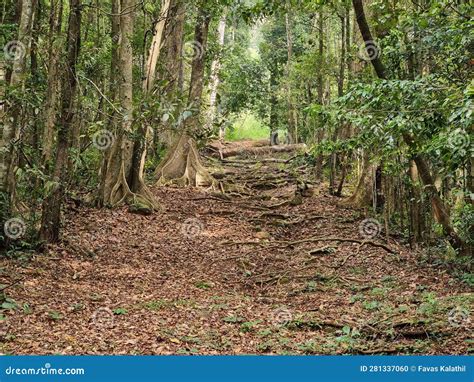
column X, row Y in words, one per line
column 340, row 93
column 182, row 164
column 155, row 48
column 50, row 221
column 11, row 128
column 137, row 183
column 173, row 68
column 118, row 177
column 292, row 128
column 53, row 82
column 214, row 80
column 113, row 119
column 320, row 90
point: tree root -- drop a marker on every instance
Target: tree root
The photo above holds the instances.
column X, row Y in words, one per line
column 182, row 166
column 279, row 244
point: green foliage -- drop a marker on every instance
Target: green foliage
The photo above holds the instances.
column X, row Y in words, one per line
column 247, row 126
column 120, row 311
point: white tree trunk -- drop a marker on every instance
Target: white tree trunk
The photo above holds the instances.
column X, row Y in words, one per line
column 214, row 79
column 155, row 48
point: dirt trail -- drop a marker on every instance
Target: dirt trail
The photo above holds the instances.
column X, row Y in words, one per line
column 229, row 276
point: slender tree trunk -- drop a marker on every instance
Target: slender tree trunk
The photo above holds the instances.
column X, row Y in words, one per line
column 113, row 119
column 320, row 89
column 214, row 80
column 11, row 128
column 155, row 48
column 197, row 69
column 340, row 93
column 137, row 182
column 34, row 70
column 292, row 128
column 53, row 82
column 50, row 222
column 273, row 106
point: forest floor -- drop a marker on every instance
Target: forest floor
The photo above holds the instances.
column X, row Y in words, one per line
column 249, row 274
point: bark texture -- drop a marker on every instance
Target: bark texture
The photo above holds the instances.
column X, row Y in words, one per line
column 51, row 216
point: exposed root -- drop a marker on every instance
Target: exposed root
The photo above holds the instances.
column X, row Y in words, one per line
column 278, row 244
column 182, row 166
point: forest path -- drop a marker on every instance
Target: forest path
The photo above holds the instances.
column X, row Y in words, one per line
column 230, row 276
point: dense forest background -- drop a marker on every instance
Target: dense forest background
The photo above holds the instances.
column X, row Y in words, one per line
column 96, row 92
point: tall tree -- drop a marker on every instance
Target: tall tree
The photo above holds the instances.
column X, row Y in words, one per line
column 214, row 78
column 17, row 51
column 50, row 220
column 182, row 164
column 53, row 80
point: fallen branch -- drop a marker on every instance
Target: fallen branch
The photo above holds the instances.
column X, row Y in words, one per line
column 261, row 150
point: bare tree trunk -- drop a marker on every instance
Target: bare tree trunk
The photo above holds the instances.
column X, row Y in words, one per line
column 292, row 128
column 197, row 71
column 113, row 119
column 182, row 164
column 214, row 80
column 53, row 82
column 340, row 93
column 320, row 89
column 137, row 183
column 11, row 128
column 121, row 184
column 174, row 48
column 51, row 217
column 155, row 48
column 116, row 177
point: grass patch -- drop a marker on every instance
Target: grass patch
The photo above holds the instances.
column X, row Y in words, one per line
column 247, row 126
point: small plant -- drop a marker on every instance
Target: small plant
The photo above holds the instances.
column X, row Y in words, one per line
column 233, row 319
column 264, row 333
column 265, row 346
column 55, row 315
column 27, row 308
column 77, row 307
column 430, row 304
column 155, row 305
column 249, row 326
column 203, row 285
column 120, row 311
column 357, row 297
column 348, row 337
column 9, row 304
column 371, row 305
